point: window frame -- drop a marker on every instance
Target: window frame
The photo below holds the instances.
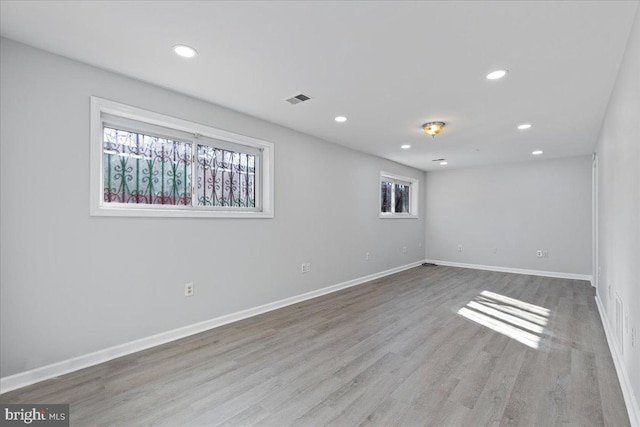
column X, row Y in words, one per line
column 103, row 110
column 413, row 196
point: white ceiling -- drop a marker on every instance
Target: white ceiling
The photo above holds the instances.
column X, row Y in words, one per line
column 387, row 66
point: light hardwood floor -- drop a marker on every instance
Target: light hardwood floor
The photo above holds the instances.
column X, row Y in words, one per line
column 436, row 346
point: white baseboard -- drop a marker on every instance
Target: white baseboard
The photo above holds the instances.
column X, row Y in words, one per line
column 33, row 376
column 555, row 274
column 625, row 383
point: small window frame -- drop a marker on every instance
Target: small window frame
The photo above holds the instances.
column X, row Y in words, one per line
column 413, row 196
column 144, row 121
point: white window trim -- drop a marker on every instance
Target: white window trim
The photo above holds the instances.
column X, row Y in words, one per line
column 413, row 196
column 98, row 207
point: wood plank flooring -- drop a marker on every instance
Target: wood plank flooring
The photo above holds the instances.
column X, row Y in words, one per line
column 528, row 351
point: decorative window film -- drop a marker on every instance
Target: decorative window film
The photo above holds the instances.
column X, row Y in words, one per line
column 398, row 196
column 225, row 178
column 147, row 164
column 145, row 169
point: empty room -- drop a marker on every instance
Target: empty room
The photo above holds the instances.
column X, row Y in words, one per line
column 309, row 213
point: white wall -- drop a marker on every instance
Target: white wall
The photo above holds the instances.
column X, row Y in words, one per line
column 618, row 170
column 73, row 284
column 515, row 210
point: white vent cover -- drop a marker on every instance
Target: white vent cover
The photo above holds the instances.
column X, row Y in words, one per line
column 298, row 99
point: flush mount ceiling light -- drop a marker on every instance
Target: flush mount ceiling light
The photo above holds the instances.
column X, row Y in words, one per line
column 524, row 126
column 537, row 152
column 405, row 146
column 444, row 163
column 497, row 74
column 433, row 128
column 340, row 119
column 184, row 51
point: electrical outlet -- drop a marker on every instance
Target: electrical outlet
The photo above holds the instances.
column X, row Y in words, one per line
column 306, row 267
column 367, row 256
column 545, row 254
column 539, row 253
column 459, row 248
column 404, row 249
column 188, row 289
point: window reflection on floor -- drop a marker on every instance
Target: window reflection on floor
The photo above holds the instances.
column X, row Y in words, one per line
column 513, row 318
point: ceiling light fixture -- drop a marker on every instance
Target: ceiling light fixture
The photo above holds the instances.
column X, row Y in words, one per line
column 444, row 162
column 498, row 74
column 433, row 128
column 340, row 119
column 405, row 146
column 537, row 152
column 184, row 51
column 524, row 126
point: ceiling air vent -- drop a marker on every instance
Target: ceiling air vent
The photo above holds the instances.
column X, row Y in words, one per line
column 298, row 99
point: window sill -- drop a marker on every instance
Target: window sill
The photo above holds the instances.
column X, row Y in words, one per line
column 398, row 216
column 176, row 213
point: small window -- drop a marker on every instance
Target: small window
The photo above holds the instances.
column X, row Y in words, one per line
column 147, row 164
column 398, row 196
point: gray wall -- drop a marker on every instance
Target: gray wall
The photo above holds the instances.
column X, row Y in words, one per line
column 74, row 284
column 618, row 168
column 515, row 210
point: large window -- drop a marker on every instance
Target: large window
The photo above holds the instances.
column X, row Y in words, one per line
column 147, row 164
column 398, row 196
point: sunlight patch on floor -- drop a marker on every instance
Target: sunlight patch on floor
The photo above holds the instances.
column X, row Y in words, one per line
column 517, row 303
column 513, row 318
column 523, row 314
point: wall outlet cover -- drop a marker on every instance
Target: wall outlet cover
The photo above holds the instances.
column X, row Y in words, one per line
column 188, row 289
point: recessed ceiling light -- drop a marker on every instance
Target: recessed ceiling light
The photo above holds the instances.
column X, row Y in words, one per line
column 340, row 119
column 498, row 74
column 184, row 51
column 524, row 126
column 405, row 146
column 537, row 152
column 444, row 162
